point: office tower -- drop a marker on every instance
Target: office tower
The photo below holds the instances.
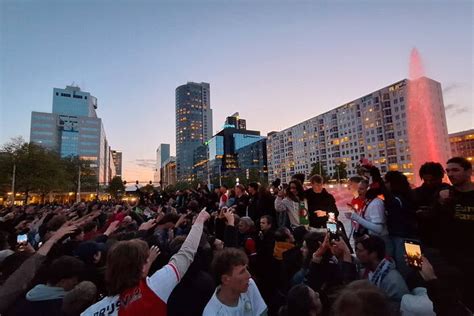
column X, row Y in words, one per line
column 193, row 124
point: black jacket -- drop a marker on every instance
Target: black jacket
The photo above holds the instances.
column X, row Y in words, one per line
column 323, row 201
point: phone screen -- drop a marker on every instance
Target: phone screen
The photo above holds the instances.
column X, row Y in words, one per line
column 332, row 227
column 21, row 239
column 413, row 252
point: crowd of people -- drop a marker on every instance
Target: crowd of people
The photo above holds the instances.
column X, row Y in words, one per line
column 255, row 250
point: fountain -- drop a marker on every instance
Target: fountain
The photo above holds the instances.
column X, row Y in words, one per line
column 426, row 127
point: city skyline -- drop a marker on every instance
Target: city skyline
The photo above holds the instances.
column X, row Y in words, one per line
column 263, row 62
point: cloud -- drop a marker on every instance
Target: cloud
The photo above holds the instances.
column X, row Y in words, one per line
column 145, row 163
column 450, row 87
column 456, row 108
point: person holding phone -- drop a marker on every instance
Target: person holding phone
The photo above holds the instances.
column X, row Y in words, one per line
column 320, row 203
column 372, row 220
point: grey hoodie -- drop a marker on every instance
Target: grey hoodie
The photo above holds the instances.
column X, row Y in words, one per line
column 43, row 292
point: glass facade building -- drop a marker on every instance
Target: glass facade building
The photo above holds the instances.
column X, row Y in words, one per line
column 193, row 125
column 73, row 129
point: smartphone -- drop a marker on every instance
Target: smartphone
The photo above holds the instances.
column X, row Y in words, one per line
column 21, row 240
column 332, row 229
column 413, row 251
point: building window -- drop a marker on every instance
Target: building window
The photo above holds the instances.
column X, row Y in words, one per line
column 66, row 95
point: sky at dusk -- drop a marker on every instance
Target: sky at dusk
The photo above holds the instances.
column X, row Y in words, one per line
column 276, row 62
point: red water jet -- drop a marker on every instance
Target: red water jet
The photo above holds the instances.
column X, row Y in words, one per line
column 423, row 126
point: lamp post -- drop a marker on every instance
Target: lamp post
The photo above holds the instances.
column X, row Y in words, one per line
column 13, row 182
column 78, row 196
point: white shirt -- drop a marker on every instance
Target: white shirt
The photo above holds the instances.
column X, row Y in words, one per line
column 250, row 304
column 162, row 283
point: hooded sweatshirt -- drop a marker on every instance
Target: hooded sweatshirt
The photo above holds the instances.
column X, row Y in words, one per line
column 43, row 292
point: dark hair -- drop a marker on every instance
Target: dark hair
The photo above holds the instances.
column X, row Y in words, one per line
column 90, row 226
column 356, row 179
column 176, row 244
column 64, row 267
column 299, row 189
column 224, row 186
column 316, row 179
column 361, row 298
column 225, row 261
column 169, row 218
column 56, row 222
column 299, row 233
column 374, row 244
column 4, row 240
column 253, row 185
column 241, row 187
column 299, row 176
column 463, row 162
column 299, row 302
column 433, row 168
column 399, row 184
column 125, row 262
column 276, row 183
column 231, row 193
column 282, row 234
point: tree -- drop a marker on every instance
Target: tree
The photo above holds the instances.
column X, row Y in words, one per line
column 72, row 166
column 36, row 169
column 318, row 168
column 116, row 186
column 340, row 171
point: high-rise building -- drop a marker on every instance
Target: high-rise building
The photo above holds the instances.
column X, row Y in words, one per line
column 235, row 121
column 462, row 144
column 222, row 150
column 253, row 160
column 169, row 172
column 117, row 162
column 73, row 129
column 193, row 124
column 162, row 154
column 373, row 127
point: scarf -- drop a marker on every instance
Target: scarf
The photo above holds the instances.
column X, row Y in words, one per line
column 280, row 248
column 381, row 272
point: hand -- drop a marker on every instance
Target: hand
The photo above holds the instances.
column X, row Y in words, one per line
column 427, row 271
column 27, row 248
column 112, row 228
column 180, row 220
column 202, row 217
column 340, row 250
column 320, row 213
column 443, row 196
column 159, row 217
column 348, row 215
column 154, row 253
column 318, row 254
column 63, row 231
column 147, row 225
column 229, row 216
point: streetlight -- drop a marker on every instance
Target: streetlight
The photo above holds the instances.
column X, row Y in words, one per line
column 13, row 181
column 78, row 196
